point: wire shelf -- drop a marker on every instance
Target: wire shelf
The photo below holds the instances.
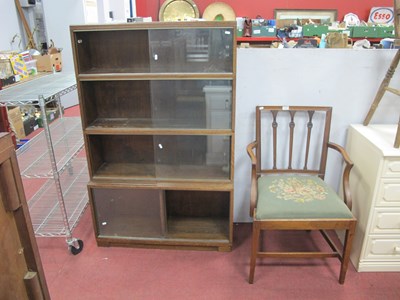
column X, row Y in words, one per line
column 67, row 141
column 58, row 205
column 48, row 87
column 44, row 207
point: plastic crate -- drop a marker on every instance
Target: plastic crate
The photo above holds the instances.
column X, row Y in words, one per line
column 263, row 31
column 385, row 32
column 364, row 32
column 314, row 30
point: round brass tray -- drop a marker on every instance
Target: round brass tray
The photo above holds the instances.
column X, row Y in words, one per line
column 219, row 11
column 178, row 10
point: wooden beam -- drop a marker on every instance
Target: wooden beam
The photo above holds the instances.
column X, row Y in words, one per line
column 396, row 9
column 31, row 42
column 385, row 83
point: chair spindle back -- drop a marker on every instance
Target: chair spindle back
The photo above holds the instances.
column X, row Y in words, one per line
column 307, row 128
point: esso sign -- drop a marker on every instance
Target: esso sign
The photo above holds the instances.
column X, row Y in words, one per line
column 381, row 15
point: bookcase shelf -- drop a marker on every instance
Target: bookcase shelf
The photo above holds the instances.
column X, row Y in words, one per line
column 157, row 104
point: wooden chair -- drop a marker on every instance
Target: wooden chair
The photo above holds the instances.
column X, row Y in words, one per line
column 289, row 192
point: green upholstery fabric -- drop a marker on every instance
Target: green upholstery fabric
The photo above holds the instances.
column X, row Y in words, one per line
column 298, row 197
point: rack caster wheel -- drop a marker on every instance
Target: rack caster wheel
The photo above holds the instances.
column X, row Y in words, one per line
column 75, row 250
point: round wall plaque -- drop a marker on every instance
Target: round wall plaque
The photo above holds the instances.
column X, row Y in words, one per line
column 178, row 10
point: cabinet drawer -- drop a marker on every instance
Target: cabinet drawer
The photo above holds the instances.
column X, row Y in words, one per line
column 389, row 193
column 391, row 168
column 386, row 221
column 383, row 248
column 220, row 103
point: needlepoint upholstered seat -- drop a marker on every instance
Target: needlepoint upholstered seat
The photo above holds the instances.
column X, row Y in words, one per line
column 288, row 191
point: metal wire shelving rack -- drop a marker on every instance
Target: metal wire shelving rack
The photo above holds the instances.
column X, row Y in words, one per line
column 58, row 205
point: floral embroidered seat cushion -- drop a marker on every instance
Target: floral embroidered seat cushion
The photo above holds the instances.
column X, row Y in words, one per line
column 298, row 197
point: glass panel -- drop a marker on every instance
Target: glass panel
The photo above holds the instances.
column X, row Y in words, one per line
column 187, row 104
column 191, row 50
column 125, row 51
column 121, row 156
column 192, row 104
column 129, row 213
column 194, row 50
column 192, row 157
column 183, row 157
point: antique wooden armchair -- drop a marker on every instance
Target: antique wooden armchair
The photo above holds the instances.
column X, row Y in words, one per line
column 288, row 191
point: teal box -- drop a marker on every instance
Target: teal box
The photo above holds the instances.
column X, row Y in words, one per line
column 364, row 32
column 239, row 32
column 314, row 30
column 385, row 32
column 347, row 31
column 263, row 31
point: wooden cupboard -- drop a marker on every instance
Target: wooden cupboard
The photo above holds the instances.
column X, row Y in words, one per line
column 157, row 104
column 22, row 272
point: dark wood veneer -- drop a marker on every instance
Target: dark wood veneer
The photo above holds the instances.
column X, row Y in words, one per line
column 159, row 149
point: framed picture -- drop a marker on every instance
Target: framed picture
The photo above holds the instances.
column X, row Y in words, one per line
column 324, row 15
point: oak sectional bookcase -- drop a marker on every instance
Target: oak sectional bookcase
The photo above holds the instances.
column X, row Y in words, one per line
column 157, row 105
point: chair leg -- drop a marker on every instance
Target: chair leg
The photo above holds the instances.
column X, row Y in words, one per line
column 348, row 241
column 254, row 249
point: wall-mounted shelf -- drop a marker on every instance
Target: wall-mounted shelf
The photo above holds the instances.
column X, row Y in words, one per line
column 269, row 40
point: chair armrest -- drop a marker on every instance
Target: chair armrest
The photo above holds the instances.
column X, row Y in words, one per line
column 253, row 190
column 250, row 151
column 346, row 173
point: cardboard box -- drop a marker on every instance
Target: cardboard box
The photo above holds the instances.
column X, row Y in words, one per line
column 281, row 23
column 19, row 66
column 51, row 114
column 6, row 69
column 16, row 123
column 30, row 125
column 46, row 63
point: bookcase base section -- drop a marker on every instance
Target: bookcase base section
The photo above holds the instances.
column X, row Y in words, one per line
column 169, row 244
column 172, row 219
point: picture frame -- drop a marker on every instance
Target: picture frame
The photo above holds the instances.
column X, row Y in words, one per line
column 325, row 15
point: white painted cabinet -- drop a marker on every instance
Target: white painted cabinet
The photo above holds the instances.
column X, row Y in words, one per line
column 218, row 111
column 375, row 187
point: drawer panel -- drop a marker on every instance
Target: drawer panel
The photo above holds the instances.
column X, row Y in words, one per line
column 386, row 221
column 222, row 103
column 383, row 248
column 391, row 168
column 389, row 193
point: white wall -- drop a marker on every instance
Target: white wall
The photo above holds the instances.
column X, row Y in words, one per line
column 345, row 79
column 9, row 24
column 59, row 15
column 120, row 9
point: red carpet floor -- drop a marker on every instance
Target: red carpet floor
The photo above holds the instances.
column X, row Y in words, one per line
column 134, row 273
